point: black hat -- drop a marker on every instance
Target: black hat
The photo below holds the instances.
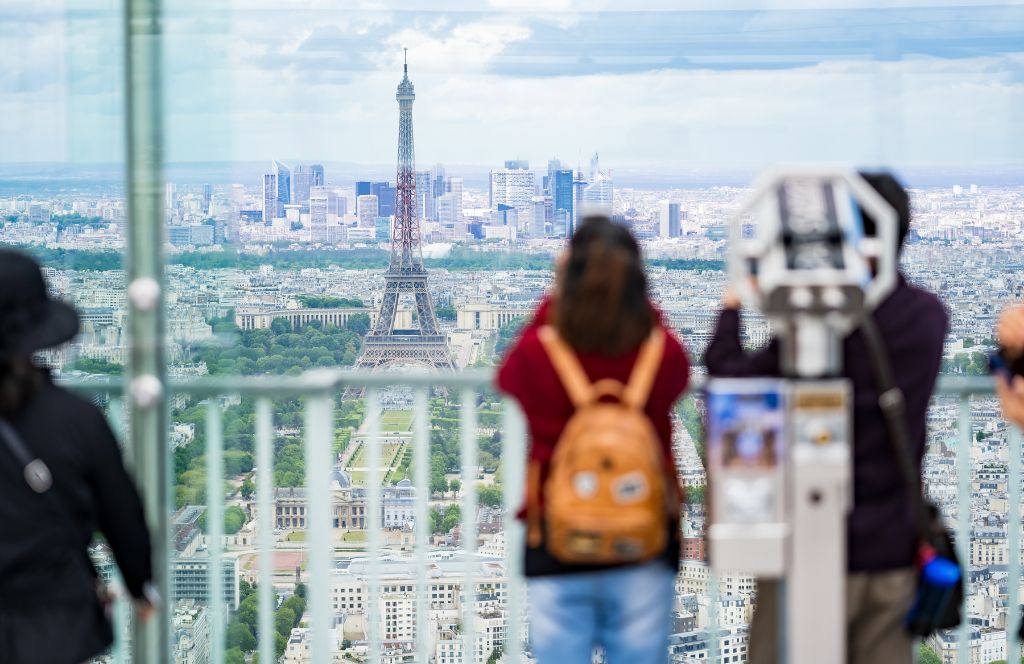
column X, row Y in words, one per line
column 29, row 319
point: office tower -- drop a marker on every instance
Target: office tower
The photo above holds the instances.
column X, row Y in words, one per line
column 363, row 188
column 367, row 209
column 207, row 197
column 594, row 167
column 517, row 165
column 385, row 194
column 579, row 184
column 439, row 186
column 305, row 178
column 171, row 196
column 284, row 184
column 554, row 165
column 598, row 195
column 424, row 195
column 539, row 210
column 562, row 200
column 406, row 273
column 513, row 187
column 454, row 187
column 669, row 219
column 270, row 203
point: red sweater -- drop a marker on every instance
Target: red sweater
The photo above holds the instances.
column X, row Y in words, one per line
column 527, row 375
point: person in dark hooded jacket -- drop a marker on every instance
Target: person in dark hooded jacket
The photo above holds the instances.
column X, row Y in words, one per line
column 62, row 480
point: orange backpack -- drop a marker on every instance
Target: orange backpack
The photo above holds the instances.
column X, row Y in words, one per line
column 609, row 495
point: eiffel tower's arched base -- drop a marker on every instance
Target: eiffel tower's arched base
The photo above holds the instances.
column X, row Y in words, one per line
column 382, row 353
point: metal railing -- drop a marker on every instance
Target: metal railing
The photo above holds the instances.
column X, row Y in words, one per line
column 320, row 389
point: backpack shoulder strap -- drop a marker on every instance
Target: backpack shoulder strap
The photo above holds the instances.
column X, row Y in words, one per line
column 641, row 378
column 567, row 366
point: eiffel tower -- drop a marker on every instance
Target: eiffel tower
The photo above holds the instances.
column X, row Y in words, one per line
column 384, row 345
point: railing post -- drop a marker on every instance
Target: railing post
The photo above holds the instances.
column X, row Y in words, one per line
column 469, row 466
column 319, row 436
column 373, row 524
column 963, row 529
column 144, row 263
column 421, row 456
column 267, row 519
column 514, row 461
column 215, row 529
column 1013, row 517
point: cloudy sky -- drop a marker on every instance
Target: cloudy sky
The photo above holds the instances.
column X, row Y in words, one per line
column 723, row 83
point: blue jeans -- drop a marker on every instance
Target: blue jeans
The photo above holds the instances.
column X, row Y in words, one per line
column 625, row 611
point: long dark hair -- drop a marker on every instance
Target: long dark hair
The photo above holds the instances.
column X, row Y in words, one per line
column 601, row 303
column 20, row 380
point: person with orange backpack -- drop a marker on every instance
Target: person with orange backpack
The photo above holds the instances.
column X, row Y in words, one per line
column 596, row 374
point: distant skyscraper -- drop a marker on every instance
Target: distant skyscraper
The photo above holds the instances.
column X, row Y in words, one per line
column 171, row 196
column 303, row 179
column 598, row 196
column 270, row 202
column 454, row 187
column 207, row 197
column 513, row 187
column 284, row 184
column 385, row 194
column 367, row 206
column 424, row 195
column 579, row 184
column 554, row 165
column 670, row 221
column 517, row 164
column 562, row 199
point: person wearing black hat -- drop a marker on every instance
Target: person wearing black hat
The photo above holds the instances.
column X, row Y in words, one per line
column 62, row 479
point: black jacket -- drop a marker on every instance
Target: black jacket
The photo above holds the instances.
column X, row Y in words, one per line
column 43, row 556
column 881, row 531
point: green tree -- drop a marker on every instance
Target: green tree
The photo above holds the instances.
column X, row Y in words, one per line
column 240, row 636
column 280, row 645
column 925, row 655
column 300, row 590
column 245, row 589
column 234, row 519
column 284, row 621
column 446, row 312
column 298, row 606
column 490, row 496
column 234, row 656
column 248, row 489
column 455, row 485
column 507, row 333
column 358, row 324
column 452, row 518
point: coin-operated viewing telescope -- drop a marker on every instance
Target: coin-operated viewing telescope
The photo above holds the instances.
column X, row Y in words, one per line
column 778, row 450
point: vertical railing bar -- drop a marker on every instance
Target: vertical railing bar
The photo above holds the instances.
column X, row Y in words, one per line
column 713, row 596
column 469, row 467
column 1013, row 546
column 514, row 462
column 267, row 519
column 319, row 434
column 122, row 606
column 373, row 523
column 146, row 369
column 421, row 456
column 215, row 528
column 963, row 530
